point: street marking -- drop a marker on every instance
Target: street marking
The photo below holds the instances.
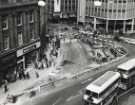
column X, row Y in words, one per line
column 88, row 80
column 72, row 97
column 58, row 100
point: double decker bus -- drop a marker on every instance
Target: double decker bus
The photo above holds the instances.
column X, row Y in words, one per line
column 103, row 90
column 127, row 71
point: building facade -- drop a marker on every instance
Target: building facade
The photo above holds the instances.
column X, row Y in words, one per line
column 115, row 15
column 19, row 34
column 68, row 8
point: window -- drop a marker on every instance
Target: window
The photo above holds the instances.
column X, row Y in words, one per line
column 124, row 1
column 4, row 1
column 123, row 10
column 110, row 10
column 87, row 92
column 122, row 71
column 31, row 17
column 19, row 1
column 95, row 95
column 6, row 43
column 20, row 38
column 19, row 19
column 4, row 23
column 124, row 80
column 12, row 1
column 120, row 1
column 112, row 94
column 32, row 32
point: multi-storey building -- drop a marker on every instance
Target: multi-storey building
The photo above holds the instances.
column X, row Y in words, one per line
column 68, row 8
column 113, row 15
column 19, row 33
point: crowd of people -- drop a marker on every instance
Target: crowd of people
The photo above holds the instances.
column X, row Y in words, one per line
column 50, row 55
column 48, row 60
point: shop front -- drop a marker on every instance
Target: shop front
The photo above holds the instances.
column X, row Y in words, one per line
column 8, row 62
column 27, row 55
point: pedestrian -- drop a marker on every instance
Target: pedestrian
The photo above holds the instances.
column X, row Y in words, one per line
column 56, row 54
column 22, row 74
column 28, row 75
column 36, row 73
column 19, row 75
column 41, row 65
column 5, row 86
column 36, row 64
column 46, row 60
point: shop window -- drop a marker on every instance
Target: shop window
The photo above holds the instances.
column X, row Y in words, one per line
column 4, row 1
column 32, row 32
column 19, row 1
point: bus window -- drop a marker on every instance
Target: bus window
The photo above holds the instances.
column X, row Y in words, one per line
column 124, row 80
column 87, row 92
column 132, row 70
column 122, row 71
column 95, row 95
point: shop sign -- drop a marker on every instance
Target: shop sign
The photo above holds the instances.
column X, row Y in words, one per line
column 28, row 49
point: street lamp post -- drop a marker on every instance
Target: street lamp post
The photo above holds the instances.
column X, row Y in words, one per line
column 41, row 4
column 97, row 3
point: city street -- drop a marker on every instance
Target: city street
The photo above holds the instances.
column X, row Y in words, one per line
column 50, row 50
column 71, row 92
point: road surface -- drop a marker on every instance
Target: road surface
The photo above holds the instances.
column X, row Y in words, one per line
column 71, row 94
